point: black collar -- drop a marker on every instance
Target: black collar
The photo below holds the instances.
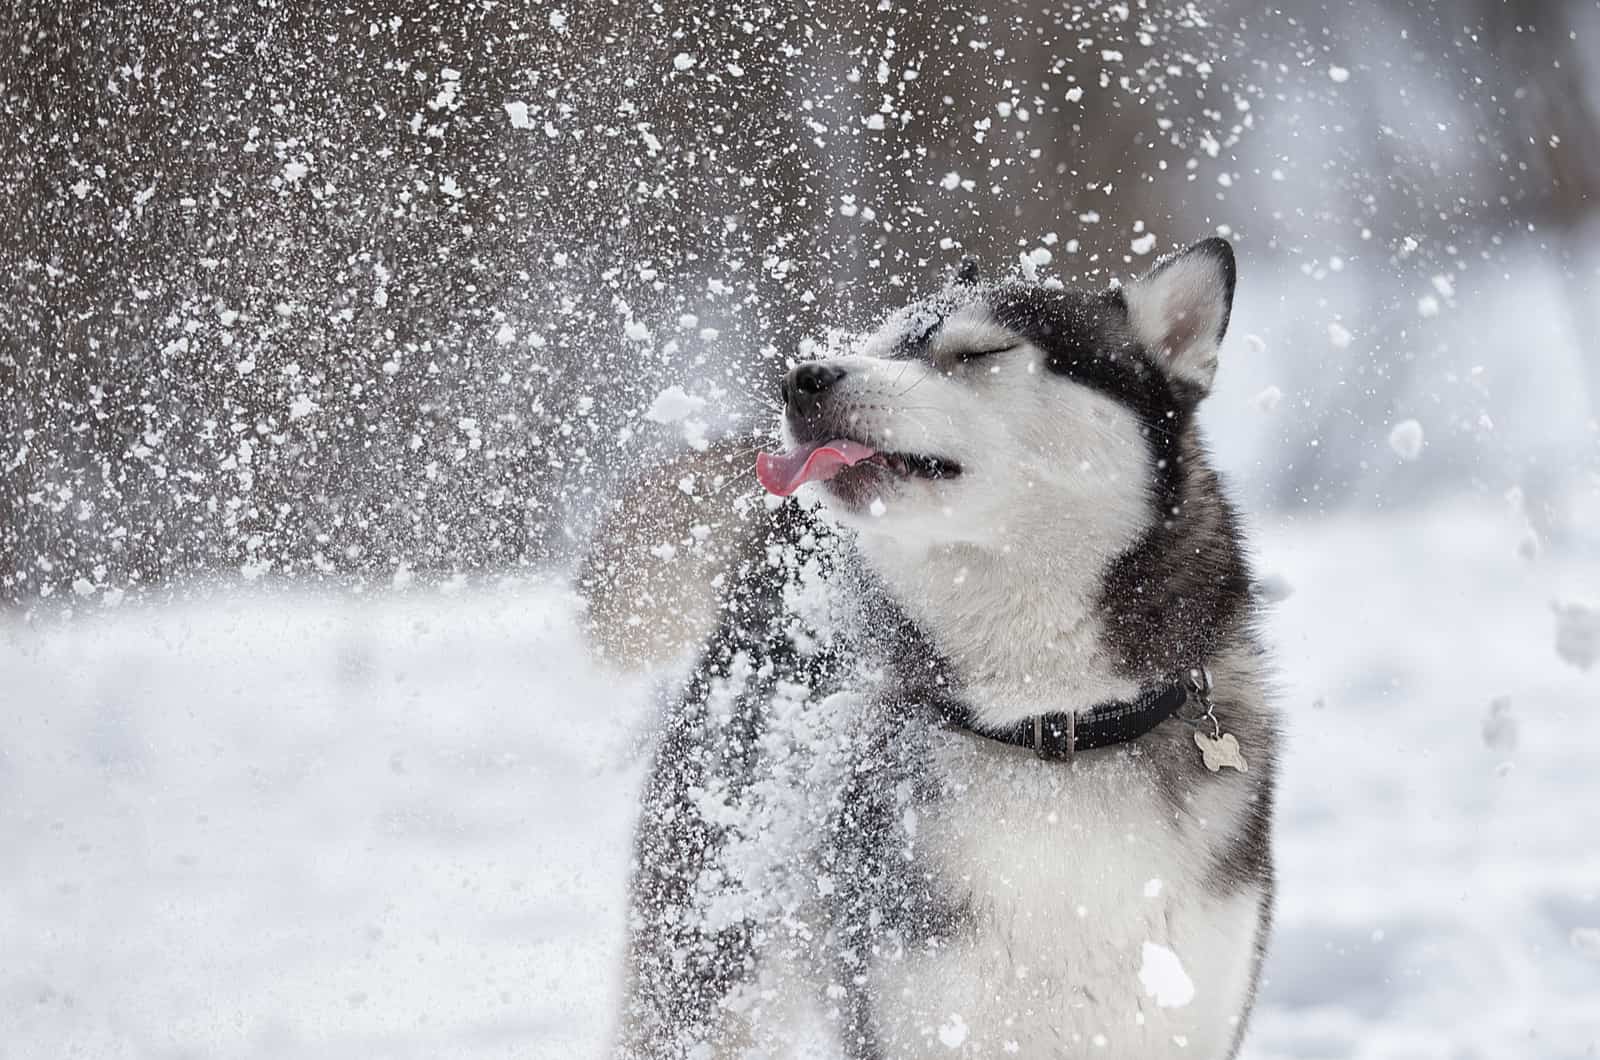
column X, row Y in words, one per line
column 923, row 677
column 1060, row 735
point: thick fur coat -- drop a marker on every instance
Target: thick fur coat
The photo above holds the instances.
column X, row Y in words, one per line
column 1035, row 531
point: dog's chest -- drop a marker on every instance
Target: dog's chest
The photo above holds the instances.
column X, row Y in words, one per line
column 1086, row 922
column 1018, row 640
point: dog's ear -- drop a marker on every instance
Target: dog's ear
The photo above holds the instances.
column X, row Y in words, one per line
column 1179, row 310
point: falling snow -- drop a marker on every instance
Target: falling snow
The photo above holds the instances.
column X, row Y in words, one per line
column 1405, row 439
column 953, row 1032
column 331, row 333
column 517, row 111
column 1578, row 634
column 673, row 404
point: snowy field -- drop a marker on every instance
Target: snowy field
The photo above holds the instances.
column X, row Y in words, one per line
column 275, row 825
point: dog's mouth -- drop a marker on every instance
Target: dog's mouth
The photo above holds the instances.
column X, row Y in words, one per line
column 783, row 473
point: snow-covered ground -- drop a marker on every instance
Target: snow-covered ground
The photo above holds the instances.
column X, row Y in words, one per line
column 292, row 826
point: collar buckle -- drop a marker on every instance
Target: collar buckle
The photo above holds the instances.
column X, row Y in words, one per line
column 1067, row 748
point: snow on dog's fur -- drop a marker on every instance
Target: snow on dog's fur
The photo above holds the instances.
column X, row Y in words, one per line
column 1006, row 513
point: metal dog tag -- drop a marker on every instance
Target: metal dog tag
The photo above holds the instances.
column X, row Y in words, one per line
column 1221, row 751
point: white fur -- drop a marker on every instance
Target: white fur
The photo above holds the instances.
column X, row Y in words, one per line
column 1057, row 860
column 1020, row 651
column 1044, row 460
column 1072, row 871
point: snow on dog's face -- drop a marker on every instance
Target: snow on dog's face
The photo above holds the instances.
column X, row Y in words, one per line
column 989, row 413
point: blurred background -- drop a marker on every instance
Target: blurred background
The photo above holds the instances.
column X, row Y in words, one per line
column 326, row 332
column 335, row 293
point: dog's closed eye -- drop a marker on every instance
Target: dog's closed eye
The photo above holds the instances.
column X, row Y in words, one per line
column 964, row 356
column 971, row 335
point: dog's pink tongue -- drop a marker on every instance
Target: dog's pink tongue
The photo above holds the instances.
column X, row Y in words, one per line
column 783, row 473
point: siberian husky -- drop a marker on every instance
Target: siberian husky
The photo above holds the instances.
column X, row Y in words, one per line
column 978, row 756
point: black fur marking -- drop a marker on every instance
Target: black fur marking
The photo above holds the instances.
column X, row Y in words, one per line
column 1182, row 591
column 880, row 897
column 1085, row 338
column 881, row 894
column 681, row 972
column 1173, row 596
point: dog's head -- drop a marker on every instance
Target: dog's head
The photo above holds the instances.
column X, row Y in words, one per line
column 991, row 412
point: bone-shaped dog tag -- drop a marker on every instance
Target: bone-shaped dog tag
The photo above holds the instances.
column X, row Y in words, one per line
column 1221, row 751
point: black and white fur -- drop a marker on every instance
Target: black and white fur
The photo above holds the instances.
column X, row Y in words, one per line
column 929, row 892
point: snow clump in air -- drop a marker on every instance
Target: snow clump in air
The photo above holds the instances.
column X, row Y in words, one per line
column 517, row 111
column 1034, row 260
column 1500, row 728
column 673, row 404
column 1577, row 634
column 1406, row 439
column 1274, row 588
column 953, row 1034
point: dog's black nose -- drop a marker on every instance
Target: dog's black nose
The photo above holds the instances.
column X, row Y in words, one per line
column 807, row 382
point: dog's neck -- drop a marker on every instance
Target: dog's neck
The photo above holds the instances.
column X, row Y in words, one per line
column 1018, row 624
